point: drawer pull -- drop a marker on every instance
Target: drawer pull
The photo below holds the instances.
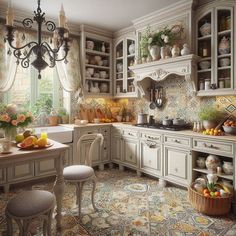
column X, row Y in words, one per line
column 151, row 137
column 176, row 141
column 210, row 146
column 130, row 157
column 151, row 144
column 130, row 134
column 105, row 148
column 90, row 132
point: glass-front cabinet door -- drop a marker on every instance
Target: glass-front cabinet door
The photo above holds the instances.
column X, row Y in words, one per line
column 124, row 52
column 215, row 38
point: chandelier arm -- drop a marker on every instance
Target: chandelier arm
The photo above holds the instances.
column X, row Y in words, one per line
column 47, row 46
column 22, row 58
column 19, row 48
column 27, row 23
column 25, row 62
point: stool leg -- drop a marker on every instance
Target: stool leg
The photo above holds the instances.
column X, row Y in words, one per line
column 26, row 224
column 49, row 226
column 94, row 180
column 45, row 224
column 9, row 225
column 79, row 195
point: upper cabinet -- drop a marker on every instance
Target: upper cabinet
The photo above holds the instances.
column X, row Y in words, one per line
column 215, row 45
column 124, row 55
column 96, row 60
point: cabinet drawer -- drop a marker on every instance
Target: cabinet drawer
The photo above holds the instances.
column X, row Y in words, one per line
column 45, row 167
column 131, row 133
column 90, row 131
column 151, row 137
column 214, row 147
column 105, row 130
column 21, row 171
column 3, row 177
column 177, row 141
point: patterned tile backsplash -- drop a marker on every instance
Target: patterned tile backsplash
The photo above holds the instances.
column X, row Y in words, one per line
column 178, row 102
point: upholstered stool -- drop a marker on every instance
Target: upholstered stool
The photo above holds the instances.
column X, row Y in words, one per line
column 79, row 174
column 28, row 206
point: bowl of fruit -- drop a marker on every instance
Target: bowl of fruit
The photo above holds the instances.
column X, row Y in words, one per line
column 230, row 127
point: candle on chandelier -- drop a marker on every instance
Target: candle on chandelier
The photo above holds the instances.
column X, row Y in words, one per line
column 9, row 15
column 62, row 17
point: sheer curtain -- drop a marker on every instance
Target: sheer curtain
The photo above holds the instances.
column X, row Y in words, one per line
column 8, row 66
column 70, row 73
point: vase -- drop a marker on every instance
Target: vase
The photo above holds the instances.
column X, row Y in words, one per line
column 10, row 133
column 165, row 52
column 154, row 52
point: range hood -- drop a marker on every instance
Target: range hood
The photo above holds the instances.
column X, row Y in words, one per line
column 185, row 66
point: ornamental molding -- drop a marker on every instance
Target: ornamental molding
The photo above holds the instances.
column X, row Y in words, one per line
column 184, row 66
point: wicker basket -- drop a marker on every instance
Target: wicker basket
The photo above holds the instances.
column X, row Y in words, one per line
column 208, row 205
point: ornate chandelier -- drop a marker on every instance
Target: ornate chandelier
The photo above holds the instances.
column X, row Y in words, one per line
column 43, row 53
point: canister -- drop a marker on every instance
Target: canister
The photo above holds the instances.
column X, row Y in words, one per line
column 221, row 83
column 207, row 84
column 201, row 85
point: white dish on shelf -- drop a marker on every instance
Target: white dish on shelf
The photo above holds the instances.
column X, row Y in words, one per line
column 205, row 29
column 224, row 62
column 204, row 65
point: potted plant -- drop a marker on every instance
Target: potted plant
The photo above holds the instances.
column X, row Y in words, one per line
column 62, row 113
column 210, row 116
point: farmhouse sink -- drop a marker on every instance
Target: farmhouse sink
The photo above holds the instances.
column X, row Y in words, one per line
column 60, row 134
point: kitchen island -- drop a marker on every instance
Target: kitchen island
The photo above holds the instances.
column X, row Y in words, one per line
column 13, row 168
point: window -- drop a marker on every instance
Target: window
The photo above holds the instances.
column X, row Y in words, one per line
column 28, row 89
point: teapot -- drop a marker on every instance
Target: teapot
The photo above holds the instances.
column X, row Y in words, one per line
column 224, row 46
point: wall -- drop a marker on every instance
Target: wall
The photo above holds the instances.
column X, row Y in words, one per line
column 178, row 102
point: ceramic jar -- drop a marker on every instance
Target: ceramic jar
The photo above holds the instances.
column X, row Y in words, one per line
column 224, row 62
column 201, row 162
column 205, row 29
column 95, row 88
column 204, row 65
column 175, row 51
column 132, row 48
column 228, row 167
column 89, row 45
column 154, row 52
column 212, row 162
column 119, row 67
column 185, row 50
column 224, row 46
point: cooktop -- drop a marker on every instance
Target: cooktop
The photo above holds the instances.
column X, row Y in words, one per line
column 165, row 127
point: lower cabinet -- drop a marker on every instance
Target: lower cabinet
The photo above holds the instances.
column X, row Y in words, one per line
column 177, row 165
column 151, row 158
column 130, row 152
column 84, row 151
column 45, row 167
column 116, row 145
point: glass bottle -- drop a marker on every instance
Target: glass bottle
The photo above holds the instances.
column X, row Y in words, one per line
column 194, row 126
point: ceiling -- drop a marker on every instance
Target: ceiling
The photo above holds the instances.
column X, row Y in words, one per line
column 108, row 14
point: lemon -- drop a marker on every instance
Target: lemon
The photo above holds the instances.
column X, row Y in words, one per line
column 19, row 138
column 42, row 142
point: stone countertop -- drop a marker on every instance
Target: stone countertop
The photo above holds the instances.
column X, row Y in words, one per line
column 189, row 133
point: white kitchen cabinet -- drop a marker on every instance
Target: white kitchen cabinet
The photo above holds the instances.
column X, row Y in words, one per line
column 151, row 158
column 177, row 165
column 98, row 60
column 116, row 145
column 220, row 16
column 130, row 152
column 124, row 55
column 103, row 155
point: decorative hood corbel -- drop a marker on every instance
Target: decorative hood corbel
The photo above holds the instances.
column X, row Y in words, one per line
column 185, row 66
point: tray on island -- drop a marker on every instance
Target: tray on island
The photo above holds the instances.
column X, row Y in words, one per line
column 49, row 144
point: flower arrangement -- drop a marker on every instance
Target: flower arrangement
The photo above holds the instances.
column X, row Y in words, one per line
column 163, row 37
column 10, row 117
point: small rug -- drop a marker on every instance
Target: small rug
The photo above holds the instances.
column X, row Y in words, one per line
column 129, row 206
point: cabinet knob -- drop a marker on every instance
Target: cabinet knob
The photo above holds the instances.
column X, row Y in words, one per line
column 130, row 157
column 150, row 162
column 176, row 170
column 176, row 141
column 105, row 148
